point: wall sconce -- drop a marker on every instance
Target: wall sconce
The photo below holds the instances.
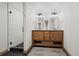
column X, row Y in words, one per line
column 40, row 19
column 53, row 20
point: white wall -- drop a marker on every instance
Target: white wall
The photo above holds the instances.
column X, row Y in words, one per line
column 68, row 12
column 46, row 9
column 27, row 27
column 3, row 26
column 71, row 29
column 15, row 23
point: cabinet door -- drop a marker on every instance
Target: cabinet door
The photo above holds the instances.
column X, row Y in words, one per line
column 46, row 36
column 58, row 36
column 37, row 35
column 52, row 36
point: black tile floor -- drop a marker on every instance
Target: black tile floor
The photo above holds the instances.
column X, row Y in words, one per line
column 15, row 51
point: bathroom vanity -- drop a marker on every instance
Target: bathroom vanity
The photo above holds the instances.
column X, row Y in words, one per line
column 51, row 38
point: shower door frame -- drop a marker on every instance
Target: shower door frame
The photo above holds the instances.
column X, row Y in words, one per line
column 24, row 21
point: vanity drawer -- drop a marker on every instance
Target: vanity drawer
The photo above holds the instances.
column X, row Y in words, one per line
column 37, row 35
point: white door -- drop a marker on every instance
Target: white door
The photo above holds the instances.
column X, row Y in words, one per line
column 15, row 23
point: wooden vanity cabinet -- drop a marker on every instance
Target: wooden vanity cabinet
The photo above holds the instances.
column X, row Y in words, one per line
column 53, row 38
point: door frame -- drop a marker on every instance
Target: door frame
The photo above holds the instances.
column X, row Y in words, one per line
column 8, row 47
